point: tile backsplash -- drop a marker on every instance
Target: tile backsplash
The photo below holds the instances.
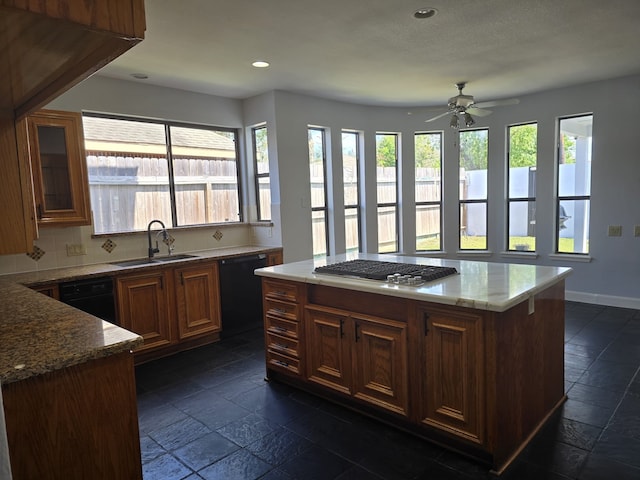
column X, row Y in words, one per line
column 66, row 247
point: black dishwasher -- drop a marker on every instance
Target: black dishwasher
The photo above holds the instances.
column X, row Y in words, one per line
column 241, row 294
column 93, row 295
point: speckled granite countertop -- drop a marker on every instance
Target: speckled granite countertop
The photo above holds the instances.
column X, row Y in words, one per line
column 39, row 334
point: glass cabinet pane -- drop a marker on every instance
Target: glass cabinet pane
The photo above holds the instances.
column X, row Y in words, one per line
column 54, row 161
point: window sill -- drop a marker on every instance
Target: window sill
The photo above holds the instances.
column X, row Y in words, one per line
column 474, row 253
column 517, row 254
column 570, row 257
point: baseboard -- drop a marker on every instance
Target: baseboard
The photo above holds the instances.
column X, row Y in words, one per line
column 608, row 300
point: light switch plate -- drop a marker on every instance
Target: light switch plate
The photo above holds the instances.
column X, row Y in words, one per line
column 615, row 230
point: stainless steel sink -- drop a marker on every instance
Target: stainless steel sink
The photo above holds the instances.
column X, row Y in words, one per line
column 147, row 261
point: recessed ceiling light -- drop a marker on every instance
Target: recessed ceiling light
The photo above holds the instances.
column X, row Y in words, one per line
column 140, row 76
column 425, row 13
column 260, row 64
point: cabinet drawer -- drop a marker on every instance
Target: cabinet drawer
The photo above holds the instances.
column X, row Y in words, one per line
column 276, row 308
column 283, row 327
column 282, row 362
column 277, row 343
column 280, row 290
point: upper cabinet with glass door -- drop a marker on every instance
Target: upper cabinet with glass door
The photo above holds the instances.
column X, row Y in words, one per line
column 56, row 148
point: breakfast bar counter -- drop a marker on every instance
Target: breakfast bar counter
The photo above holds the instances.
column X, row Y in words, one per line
column 473, row 361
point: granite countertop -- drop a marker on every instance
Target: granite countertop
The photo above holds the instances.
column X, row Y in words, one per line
column 481, row 285
column 39, row 334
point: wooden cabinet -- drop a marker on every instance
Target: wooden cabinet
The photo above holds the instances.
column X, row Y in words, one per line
column 283, row 326
column 171, row 308
column 58, row 163
column 274, row 258
column 77, row 422
column 452, row 389
column 144, row 307
column 50, row 290
column 359, row 355
column 197, row 300
column 45, row 49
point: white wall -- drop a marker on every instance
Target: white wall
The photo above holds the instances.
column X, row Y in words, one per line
column 613, row 274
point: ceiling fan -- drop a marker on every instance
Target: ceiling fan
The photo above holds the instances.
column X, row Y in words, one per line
column 465, row 106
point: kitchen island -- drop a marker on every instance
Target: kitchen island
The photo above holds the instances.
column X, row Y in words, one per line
column 472, row 361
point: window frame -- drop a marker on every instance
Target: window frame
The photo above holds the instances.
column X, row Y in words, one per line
column 511, row 200
column 439, row 203
column 167, row 124
column 258, row 176
column 478, row 201
column 324, row 209
column 357, row 205
column 393, row 204
column 564, row 198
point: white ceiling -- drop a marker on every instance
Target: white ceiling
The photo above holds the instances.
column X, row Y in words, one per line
column 375, row 52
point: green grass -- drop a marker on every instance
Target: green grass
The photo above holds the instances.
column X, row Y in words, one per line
column 480, row 243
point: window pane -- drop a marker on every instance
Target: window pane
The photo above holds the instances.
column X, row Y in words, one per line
column 523, row 159
column 205, row 176
column 316, row 167
column 387, row 235
column 473, row 164
column 128, row 174
column 350, row 161
column 319, row 233
column 261, row 150
column 473, row 230
column 428, row 167
column 264, row 195
column 522, row 225
column 574, row 172
column 386, row 162
column 351, row 229
column 428, row 227
column 573, row 226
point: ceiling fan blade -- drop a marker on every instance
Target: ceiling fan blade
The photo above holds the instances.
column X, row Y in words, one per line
column 497, row 103
column 478, row 112
column 438, row 116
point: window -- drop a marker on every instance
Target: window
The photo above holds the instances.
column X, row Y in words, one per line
column 317, row 176
column 141, row 170
column 574, row 184
column 428, row 178
column 261, row 164
column 521, row 205
column 350, row 175
column 387, row 190
column 474, row 150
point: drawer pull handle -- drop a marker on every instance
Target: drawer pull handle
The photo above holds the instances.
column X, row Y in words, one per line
column 280, row 329
column 281, row 311
column 280, row 346
column 281, row 363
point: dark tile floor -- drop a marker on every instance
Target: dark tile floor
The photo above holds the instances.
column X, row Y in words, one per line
column 209, row 414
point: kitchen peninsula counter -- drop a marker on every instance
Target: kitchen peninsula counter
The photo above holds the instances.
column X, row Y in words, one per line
column 472, row 361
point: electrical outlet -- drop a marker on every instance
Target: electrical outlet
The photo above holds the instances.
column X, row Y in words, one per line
column 76, row 249
column 615, row 230
column 636, row 231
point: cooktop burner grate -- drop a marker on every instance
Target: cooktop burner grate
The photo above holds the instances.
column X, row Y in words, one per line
column 377, row 270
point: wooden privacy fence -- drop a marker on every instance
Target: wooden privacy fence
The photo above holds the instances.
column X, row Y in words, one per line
column 127, row 192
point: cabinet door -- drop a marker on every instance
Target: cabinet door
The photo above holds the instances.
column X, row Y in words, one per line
column 197, row 300
column 328, row 352
column 144, row 306
column 381, row 376
column 453, row 395
column 56, row 147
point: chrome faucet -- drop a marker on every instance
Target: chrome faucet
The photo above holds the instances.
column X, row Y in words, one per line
column 164, row 233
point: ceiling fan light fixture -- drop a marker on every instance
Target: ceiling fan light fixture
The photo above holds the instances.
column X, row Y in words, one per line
column 454, row 121
column 468, row 120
